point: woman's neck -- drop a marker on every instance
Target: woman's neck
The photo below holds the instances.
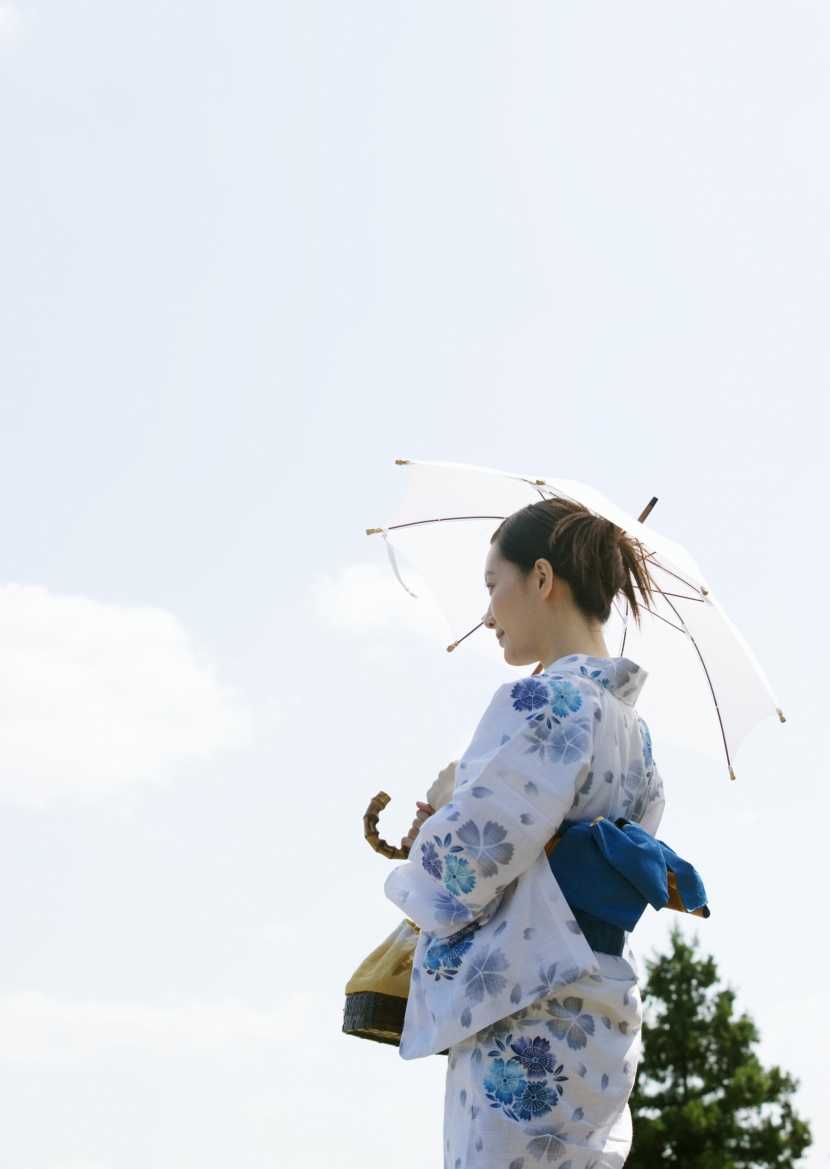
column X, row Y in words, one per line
column 576, row 638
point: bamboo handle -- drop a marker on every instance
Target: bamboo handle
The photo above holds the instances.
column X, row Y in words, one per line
column 370, row 830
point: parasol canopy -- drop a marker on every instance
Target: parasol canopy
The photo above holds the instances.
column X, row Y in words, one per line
column 707, row 689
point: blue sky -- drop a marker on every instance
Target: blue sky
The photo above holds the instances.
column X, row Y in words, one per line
column 252, row 255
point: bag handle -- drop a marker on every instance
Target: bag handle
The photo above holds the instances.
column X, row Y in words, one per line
column 370, row 830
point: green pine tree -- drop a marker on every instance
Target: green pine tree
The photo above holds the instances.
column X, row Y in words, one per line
column 702, row 1098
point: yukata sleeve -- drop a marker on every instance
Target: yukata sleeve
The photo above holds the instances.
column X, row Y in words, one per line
column 514, row 785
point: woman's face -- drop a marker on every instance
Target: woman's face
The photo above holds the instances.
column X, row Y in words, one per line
column 514, row 612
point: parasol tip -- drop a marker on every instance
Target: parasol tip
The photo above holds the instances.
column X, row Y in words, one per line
column 731, row 773
column 373, row 531
column 454, row 645
column 401, row 462
column 646, row 512
column 781, row 716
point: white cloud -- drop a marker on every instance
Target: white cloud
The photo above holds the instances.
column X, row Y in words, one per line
column 366, row 598
column 37, row 1029
column 9, row 17
column 95, row 696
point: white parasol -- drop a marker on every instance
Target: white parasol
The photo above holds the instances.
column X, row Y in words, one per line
column 707, row 690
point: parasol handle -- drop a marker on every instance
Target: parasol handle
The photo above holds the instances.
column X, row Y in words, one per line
column 370, row 830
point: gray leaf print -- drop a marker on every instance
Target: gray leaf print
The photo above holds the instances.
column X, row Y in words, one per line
column 549, row 1146
column 449, row 910
column 481, row 792
column 606, row 1022
column 569, row 742
column 573, row 927
column 516, row 994
column 501, row 928
column 603, row 1082
column 566, row 1164
column 488, row 847
column 457, row 1163
column 547, row 979
column 528, row 933
column 454, row 816
column 581, row 1070
column 476, row 1056
column 588, row 784
column 474, row 1111
column 569, row 1023
column 526, row 819
column 517, row 1164
column 484, row 975
column 577, row 1113
column 623, row 1027
column 479, row 1144
column 466, row 1017
column 608, row 776
column 462, row 1096
column 531, row 788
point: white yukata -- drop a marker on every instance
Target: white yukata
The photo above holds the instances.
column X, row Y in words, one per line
column 543, row 1033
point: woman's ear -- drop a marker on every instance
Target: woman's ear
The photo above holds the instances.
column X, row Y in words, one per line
column 545, row 578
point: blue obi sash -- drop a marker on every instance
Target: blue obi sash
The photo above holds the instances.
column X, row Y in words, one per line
column 611, row 869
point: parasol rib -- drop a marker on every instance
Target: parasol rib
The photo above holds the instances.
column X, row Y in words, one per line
column 447, row 519
column 688, row 633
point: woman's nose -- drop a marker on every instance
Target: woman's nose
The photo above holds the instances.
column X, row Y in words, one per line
column 488, row 620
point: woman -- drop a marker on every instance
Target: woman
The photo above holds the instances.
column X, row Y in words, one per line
column 542, row 1030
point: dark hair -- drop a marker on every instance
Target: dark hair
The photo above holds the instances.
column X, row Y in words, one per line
column 595, row 557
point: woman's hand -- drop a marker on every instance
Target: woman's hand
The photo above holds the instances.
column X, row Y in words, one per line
column 424, row 813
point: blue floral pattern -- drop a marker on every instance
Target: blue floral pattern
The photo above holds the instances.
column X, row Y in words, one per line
column 648, row 757
column 526, row 1085
column 459, row 876
column 444, row 957
column 529, row 694
column 565, row 698
column 431, row 860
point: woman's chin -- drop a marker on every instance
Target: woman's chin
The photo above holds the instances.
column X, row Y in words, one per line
column 517, row 658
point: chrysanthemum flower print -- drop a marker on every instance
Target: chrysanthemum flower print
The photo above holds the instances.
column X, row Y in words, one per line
column 458, row 875
column 536, row 1100
column 504, row 1080
column 534, row 1056
column 431, row 860
column 564, row 697
column 443, row 958
column 529, row 694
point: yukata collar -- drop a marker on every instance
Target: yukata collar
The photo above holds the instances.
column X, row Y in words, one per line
column 620, row 676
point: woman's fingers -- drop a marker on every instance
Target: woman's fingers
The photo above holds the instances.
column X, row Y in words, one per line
column 424, row 812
